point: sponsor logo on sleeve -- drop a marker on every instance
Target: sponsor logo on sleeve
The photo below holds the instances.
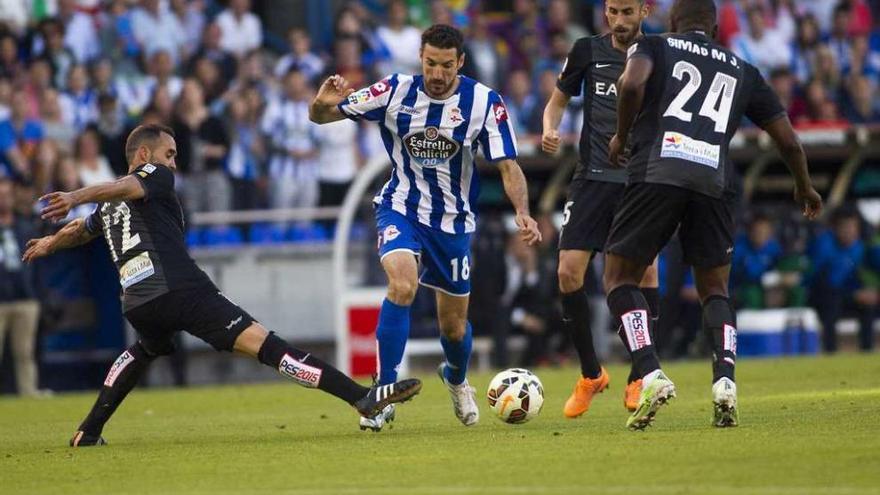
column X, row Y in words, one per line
column 635, row 325
column 149, row 168
column 359, row 97
column 142, row 174
column 500, row 112
column 677, row 145
column 121, row 362
column 300, row 372
column 632, row 49
column 380, row 88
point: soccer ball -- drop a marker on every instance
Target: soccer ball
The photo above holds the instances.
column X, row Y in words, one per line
column 516, row 395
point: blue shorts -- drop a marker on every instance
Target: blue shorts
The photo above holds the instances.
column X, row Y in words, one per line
column 445, row 258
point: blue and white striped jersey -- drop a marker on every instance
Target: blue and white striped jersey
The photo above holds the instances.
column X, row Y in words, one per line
column 432, row 144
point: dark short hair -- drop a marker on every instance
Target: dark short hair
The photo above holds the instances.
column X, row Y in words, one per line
column 144, row 135
column 444, row 36
column 693, row 13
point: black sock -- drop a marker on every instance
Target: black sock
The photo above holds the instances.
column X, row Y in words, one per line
column 628, row 305
column 307, row 370
column 652, row 296
column 719, row 321
column 124, row 374
column 576, row 320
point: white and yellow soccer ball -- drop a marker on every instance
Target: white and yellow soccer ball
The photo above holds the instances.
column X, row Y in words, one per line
column 516, row 395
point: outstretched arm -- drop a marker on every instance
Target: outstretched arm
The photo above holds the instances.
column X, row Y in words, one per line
column 792, row 152
column 517, row 190
column 72, row 235
column 630, row 94
column 60, row 203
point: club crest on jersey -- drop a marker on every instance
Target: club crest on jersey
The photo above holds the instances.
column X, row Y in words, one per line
column 455, row 117
column 429, row 147
column 500, row 112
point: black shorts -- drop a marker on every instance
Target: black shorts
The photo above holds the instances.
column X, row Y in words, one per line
column 589, row 212
column 203, row 312
column 650, row 213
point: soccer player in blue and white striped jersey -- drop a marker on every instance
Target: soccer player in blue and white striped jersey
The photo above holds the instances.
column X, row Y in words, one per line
column 432, row 125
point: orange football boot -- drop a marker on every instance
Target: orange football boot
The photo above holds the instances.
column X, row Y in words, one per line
column 583, row 393
column 631, row 395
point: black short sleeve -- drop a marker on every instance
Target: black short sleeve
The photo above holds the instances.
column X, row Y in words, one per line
column 574, row 71
column 94, row 222
column 158, row 180
column 763, row 105
column 647, row 47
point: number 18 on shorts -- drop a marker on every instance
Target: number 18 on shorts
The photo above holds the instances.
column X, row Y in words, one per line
column 445, row 258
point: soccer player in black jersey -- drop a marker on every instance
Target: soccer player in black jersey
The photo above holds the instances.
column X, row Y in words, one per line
column 593, row 66
column 164, row 291
column 680, row 101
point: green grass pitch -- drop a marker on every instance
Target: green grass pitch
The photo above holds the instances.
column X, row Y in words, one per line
column 809, row 426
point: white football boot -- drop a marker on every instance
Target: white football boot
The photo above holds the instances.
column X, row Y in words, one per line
column 724, row 399
column 377, row 422
column 464, row 399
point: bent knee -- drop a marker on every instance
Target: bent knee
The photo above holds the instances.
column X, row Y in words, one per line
column 402, row 290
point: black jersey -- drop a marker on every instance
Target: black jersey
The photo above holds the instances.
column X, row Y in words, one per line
column 593, row 66
column 694, row 101
column 146, row 239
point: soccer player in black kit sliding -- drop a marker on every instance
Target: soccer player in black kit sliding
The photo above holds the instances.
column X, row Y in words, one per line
column 164, row 292
column 680, row 100
column 593, row 66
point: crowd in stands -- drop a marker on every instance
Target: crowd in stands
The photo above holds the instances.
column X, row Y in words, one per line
column 77, row 75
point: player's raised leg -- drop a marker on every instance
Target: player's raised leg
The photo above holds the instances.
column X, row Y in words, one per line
column 456, row 336
column 576, row 319
column 307, row 370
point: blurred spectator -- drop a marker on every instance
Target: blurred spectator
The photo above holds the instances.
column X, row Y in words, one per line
column 190, row 15
column 202, row 147
column 19, row 309
column 91, row 166
column 837, row 256
column 27, row 132
column 10, row 65
column 300, row 56
column 79, row 31
column 482, row 54
column 157, row 29
column 765, row 48
column 804, row 52
column 247, row 149
column 207, row 73
column 488, row 283
column 210, row 48
column 521, row 103
column 242, row 30
column 559, row 21
column 161, row 73
column 293, row 154
column 14, row 13
column 783, row 83
column 50, row 45
column 859, row 105
column 339, row 159
column 525, row 35
column 79, row 104
column 5, row 98
column 112, row 132
column 397, row 40
column 55, row 127
column 117, row 37
column 838, row 39
column 349, row 63
column 861, row 19
column 38, row 78
column 754, row 255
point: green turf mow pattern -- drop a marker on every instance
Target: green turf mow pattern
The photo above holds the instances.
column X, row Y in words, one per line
column 809, row 426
